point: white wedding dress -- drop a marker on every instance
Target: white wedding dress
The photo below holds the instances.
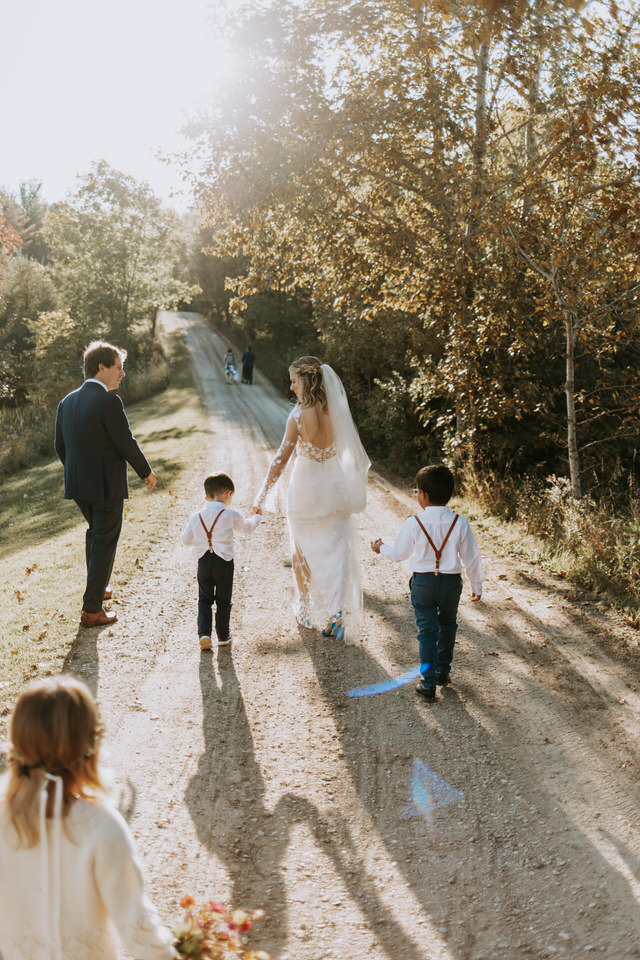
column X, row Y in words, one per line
column 327, row 485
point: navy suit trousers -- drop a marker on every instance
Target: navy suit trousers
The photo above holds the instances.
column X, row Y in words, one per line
column 215, row 586
column 105, row 522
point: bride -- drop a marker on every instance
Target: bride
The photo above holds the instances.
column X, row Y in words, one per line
column 328, row 485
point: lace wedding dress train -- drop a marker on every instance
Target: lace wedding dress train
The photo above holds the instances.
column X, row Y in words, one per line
column 324, row 548
column 327, row 485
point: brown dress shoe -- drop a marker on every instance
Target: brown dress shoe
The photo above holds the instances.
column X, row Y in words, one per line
column 100, row 619
column 108, row 592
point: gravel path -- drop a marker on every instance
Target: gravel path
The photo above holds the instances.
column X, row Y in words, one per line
column 248, row 774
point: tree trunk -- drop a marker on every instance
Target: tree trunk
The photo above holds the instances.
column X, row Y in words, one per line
column 533, row 107
column 479, row 148
column 570, row 387
column 465, row 406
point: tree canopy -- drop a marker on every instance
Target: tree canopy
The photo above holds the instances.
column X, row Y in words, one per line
column 454, row 184
column 99, row 265
column 113, row 249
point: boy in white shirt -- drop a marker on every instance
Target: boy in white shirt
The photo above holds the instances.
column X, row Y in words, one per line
column 210, row 534
column 438, row 543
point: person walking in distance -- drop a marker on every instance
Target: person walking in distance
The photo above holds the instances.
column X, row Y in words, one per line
column 248, row 360
column 94, row 442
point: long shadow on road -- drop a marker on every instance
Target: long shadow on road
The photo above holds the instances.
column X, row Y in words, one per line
column 229, row 788
column 478, row 870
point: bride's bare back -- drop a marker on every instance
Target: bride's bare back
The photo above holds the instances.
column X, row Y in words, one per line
column 315, row 426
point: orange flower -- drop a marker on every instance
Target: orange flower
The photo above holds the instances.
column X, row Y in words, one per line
column 187, row 901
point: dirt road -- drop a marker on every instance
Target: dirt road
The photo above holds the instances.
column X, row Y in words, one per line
column 248, row 774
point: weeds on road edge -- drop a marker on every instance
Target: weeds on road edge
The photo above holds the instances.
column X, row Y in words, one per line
column 593, row 543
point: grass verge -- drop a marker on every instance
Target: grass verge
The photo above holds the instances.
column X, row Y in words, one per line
column 42, row 567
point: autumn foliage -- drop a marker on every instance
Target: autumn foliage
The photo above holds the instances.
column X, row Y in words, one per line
column 455, row 188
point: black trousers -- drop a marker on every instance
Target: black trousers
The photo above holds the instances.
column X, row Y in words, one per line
column 247, row 372
column 215, row 585
column 105, row 523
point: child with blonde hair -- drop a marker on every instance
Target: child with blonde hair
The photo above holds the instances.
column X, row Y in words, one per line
column 69, row 871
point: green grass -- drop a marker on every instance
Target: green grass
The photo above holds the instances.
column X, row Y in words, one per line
column 42, row 568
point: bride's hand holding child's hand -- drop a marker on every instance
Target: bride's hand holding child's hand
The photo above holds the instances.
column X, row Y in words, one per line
column 257, row 510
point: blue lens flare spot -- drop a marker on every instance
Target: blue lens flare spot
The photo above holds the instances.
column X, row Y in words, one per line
column 386, row 685
column 428, row 791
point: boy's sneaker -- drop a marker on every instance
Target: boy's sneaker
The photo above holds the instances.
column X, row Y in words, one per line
column 205, row 643
column 427, row 693
column 442, row 679
column 224, row 641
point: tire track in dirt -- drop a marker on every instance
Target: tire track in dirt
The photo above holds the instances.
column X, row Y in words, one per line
column 249, row 774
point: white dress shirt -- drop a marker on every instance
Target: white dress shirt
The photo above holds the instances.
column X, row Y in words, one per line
column 461, row 550
column 222, row 536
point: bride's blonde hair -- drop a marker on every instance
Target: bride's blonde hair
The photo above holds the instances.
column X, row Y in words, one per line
column 309, row 369
column 55, row 729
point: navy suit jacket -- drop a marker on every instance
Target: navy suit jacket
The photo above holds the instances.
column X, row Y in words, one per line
column 94, row 441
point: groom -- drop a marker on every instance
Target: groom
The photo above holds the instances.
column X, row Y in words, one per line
column 94, row 442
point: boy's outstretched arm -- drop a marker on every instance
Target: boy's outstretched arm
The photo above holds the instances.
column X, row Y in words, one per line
column 472, row 562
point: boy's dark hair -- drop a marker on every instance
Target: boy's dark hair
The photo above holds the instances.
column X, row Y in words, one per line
column 437, row 482
column 100, row 352
column 218, row 483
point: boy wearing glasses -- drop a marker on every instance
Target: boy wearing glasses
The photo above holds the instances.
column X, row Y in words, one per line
column 439, row 544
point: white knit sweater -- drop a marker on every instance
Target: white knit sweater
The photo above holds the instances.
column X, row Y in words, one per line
column 62, row 899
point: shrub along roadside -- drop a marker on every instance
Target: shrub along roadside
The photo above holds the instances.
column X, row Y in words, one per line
column 26, row 431
column 593, row 543
column 42, row 536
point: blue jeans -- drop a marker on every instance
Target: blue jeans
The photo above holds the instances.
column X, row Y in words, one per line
column 435, row 603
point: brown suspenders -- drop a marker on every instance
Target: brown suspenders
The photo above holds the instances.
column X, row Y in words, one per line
column 437, row 552
column 209, row 532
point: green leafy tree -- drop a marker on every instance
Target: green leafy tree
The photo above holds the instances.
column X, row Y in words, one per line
column 9, row 237
column 34, row 209
column 113, row 249
column 26, row 289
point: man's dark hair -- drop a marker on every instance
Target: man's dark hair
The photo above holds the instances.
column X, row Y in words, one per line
column 437, row 482
column 217, row 484
column 100, row 352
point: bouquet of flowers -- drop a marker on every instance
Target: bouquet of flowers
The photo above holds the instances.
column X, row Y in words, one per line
column 212, row 932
